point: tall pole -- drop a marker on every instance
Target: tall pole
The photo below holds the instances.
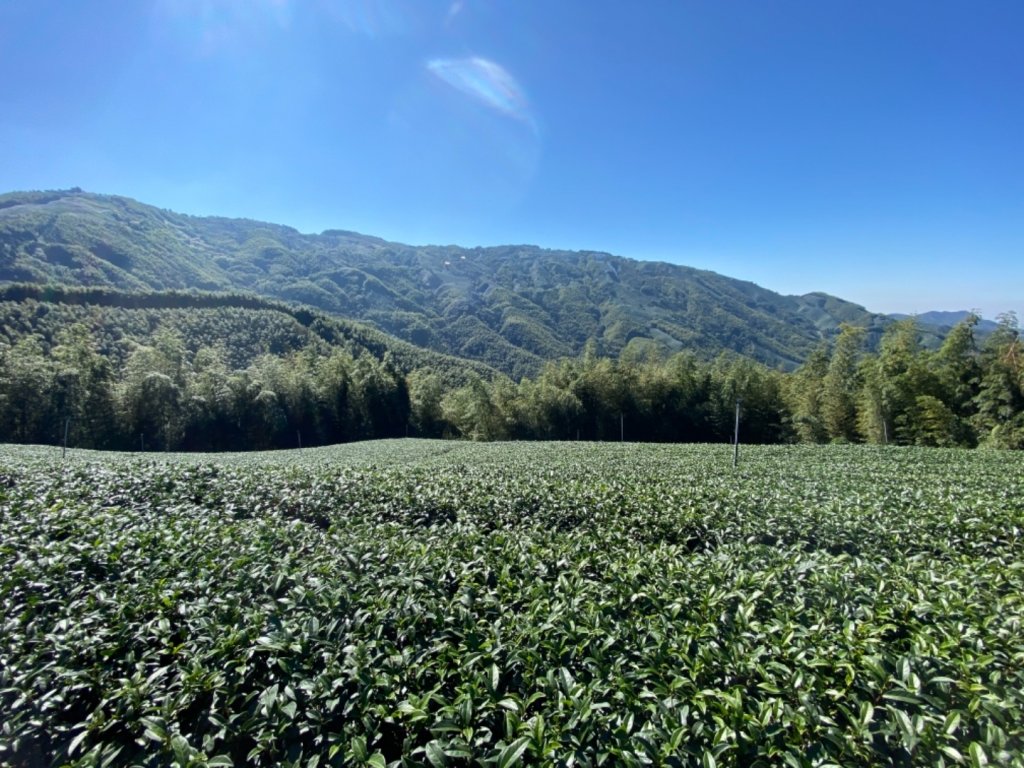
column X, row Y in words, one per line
column 736, row 436
column 67, row 423
column 622, row 428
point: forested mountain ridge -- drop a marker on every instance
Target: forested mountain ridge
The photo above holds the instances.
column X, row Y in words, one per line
column 242, row 327
column 173, row 370
column 511, row 307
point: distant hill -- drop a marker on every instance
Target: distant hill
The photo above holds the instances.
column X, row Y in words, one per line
column 509, row 307
column 946, row 320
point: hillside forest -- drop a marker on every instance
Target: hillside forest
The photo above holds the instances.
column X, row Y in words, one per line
column 219, row 379
column 512, row 308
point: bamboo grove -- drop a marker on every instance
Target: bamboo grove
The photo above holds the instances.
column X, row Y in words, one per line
column 170, row 394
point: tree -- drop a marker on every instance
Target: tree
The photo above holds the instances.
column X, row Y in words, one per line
column 472, row 412
column 269, row 421
column 691, row 390
column 425, row 395
column 152, row 391
column 84, row 389
column 291, row 379
column 933, row 423
column 765, row 417
column 380, row 399
column 551, row 413
column 209, row 422
column 602, row 393
column 959, row 369
column 841, row 385
column 1000, row 399
column 334, row 387
column 806, row 391
column 26, row 402
column 151, row 403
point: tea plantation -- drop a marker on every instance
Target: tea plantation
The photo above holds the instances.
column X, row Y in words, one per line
column 453, row 604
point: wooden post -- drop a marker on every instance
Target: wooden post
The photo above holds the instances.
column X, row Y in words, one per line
column 736, row 436
column 622, row 428
column 67, row 423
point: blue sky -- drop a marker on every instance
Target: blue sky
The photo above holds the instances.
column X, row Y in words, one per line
column 873, row 150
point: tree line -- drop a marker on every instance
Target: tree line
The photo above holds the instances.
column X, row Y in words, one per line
column 165, row 397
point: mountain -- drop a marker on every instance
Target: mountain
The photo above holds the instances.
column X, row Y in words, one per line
column 510, row 307
column 946, row 320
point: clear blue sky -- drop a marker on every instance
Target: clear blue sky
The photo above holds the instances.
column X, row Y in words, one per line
column 873, row 150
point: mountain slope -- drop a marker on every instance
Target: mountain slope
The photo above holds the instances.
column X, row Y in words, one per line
column 245, row 327
column 511, row 307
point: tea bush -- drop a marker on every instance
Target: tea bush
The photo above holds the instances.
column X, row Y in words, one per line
column 415, row 602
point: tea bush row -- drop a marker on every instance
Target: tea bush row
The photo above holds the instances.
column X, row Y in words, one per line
column 418, row 602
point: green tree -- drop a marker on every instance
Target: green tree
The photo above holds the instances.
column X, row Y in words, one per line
column 379, row 398
column 602, row 392
column 934, row 423
column 999, row 403
column 334, row 387
column 425, row 395
column 209, row 422
column 806, row 387
column 690, row 393
column 26, row 401
column 84, row 389
column 472, row 412
column 841, row 385
column 959, row 366
column 268, row 422
column 763, row 413
column 152, row 392
column 152, row 408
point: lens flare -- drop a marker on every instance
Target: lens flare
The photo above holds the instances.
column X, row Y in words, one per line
column 487, row 82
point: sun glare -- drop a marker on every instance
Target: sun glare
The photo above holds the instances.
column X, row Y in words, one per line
column 487, row 82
